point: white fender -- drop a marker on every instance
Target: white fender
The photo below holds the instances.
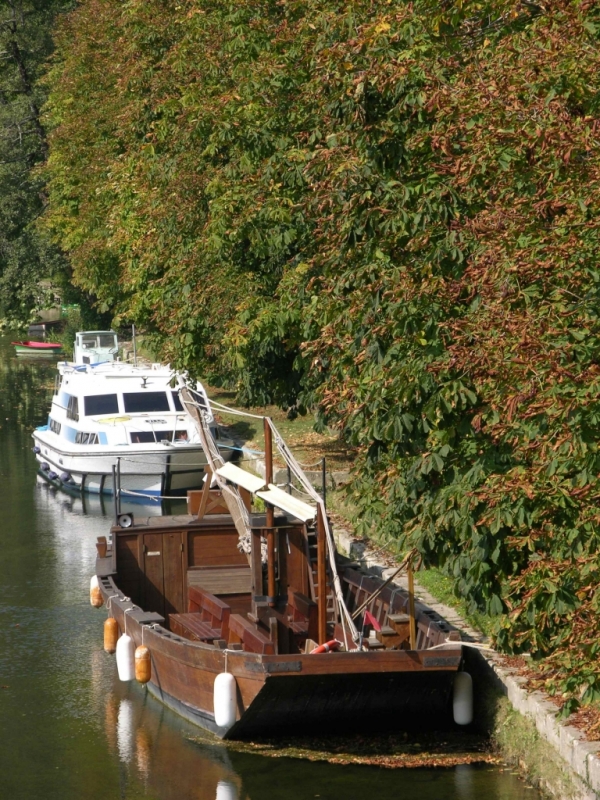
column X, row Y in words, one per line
column 126, row 658
column 225, row 700
column 226, row 791
column 125, row 730
column 462, row 699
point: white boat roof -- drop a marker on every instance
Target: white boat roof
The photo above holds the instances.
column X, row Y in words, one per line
column 95, row 333
column 118, row 377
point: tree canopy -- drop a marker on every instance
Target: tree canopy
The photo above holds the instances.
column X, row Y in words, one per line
column 26, row 255
column 386, row 210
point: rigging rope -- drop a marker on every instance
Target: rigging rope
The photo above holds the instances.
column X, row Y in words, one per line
column 216, row 461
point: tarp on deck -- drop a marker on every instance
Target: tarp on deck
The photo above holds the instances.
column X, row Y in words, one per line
column 291, row 505
column 241, row 478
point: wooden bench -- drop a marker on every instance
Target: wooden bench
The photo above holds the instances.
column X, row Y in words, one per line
column 191, row 626
column 207, row 618
column 213, row 610
column 302, row 615
column 246, row 633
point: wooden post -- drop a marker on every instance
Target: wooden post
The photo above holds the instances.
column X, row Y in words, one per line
column 256, row 564
column 118, row 489
column 321, row 578
column 271, row 588
column 411, row 608
column 115, row 499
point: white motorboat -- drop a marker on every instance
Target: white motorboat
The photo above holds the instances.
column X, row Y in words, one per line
column 113, row 423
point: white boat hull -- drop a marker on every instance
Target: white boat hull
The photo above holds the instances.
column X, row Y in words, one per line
column 157, row 472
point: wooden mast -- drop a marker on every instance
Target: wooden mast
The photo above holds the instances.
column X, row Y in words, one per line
column 321, row 577
column 271, row 589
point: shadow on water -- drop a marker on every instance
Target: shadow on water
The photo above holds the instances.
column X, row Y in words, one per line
column 68, row 729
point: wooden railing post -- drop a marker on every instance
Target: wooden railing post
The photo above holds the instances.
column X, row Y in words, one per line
column 321, row 577
column 271, row 588
column 411, row 608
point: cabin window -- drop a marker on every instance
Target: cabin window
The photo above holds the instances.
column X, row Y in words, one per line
column 86, row 438
column 146, row 437
column 73, row 408
column 54, row 426
column 139, row 402
column 100, row 404
column 177, row 401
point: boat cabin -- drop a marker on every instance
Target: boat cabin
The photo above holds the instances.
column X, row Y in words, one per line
column 190, row 571
column 95, row 347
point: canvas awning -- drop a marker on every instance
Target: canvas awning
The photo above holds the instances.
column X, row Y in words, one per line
column 241, row 478
column 286, row 502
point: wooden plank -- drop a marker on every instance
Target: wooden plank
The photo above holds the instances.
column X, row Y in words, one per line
column 221, row 580
column 214, row 548
column 153, row 588
column 173, row 572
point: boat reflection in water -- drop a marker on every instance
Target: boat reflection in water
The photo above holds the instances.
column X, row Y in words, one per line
column 152, row 748
column 163, row 757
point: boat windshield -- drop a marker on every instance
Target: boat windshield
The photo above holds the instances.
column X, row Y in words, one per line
column 97, row 340
column 100, row 404
column 138, row 402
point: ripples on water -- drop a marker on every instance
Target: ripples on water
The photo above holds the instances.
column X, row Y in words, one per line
column 68, row 729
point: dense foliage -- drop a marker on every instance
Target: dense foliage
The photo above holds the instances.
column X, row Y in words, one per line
column 390, row 210
column 26, row 256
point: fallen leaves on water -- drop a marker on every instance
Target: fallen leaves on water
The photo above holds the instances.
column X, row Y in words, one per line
column 392, row 752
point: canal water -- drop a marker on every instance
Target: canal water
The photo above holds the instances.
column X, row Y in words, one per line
column 69, row 730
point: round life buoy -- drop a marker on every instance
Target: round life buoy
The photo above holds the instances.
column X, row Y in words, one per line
column 328, row 647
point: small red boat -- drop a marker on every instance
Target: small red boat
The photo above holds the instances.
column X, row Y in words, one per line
column 29, row 348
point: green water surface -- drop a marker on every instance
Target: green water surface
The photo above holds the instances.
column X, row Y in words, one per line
column 68, row 729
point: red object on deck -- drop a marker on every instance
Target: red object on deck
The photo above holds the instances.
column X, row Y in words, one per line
column 326, row 648
column 370, row 620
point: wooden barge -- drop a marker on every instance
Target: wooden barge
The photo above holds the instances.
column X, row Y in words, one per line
column 183, row 588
